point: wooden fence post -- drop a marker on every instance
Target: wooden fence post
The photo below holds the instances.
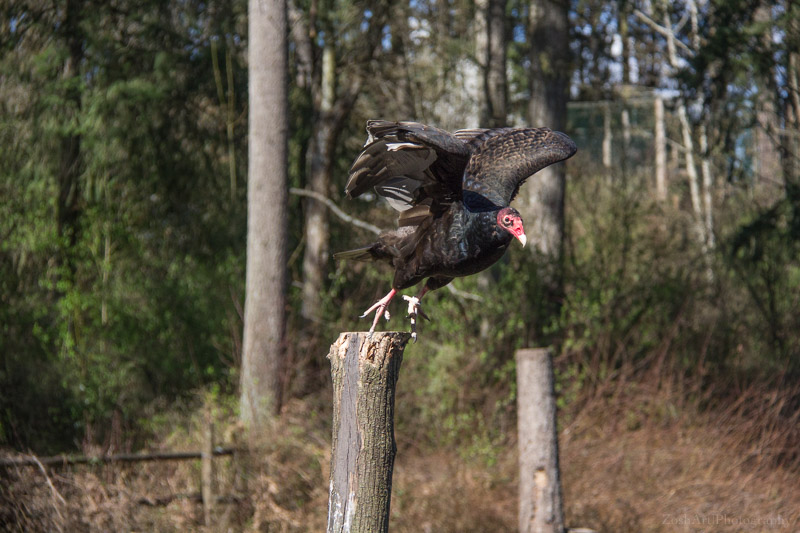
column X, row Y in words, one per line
column 364, row 370
column 540, row 508
column 207, row 467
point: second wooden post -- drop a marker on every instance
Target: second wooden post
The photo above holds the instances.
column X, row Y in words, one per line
column 540, row 508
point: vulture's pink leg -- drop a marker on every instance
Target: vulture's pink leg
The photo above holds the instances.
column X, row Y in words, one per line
column 380, row 309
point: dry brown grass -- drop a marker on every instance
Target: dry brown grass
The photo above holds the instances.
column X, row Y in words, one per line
column 634, row 459
column 674, row 478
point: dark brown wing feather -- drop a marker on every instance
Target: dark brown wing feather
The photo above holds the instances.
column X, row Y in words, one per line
column 506, row 158
column 412, row 165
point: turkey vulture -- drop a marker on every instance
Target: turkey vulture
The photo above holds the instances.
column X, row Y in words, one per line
column 453, row 192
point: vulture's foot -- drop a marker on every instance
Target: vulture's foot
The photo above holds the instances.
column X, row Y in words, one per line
column 380, row 308
column 414, row 311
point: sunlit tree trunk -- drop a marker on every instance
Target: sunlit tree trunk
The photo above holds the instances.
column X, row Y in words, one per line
column 543, row 196
column 608, row 136
column 691, row 171
column 767, row 143
column 320, row 156
column 686, row 135
column 708, row 188
column 491, row 51
column 661, row 149
column 333, row 101
column 265, row 302
column 403, row 87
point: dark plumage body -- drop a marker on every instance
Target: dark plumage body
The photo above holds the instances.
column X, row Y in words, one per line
column 453, row 191
column 457, row 243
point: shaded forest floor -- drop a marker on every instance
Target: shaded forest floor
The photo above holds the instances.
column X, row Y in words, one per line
column 631, row 461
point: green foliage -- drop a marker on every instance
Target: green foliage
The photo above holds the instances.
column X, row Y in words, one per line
column 121, row 255
column 763, row 255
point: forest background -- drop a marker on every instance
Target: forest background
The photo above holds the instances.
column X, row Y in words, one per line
column 123, row 230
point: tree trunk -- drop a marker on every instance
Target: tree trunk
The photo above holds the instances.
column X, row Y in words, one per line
column 626, row 132
column 791, row 137
column 542, row 197
column 495, row 73
column 70, row 163
column 661, row 149
column 708, row 189
column 364, row 370
column 540, row 507
column 767, row 138
column 688, row 143
column 333, row 101
column 691, row 173
column 315, row 257
column 624, row 33
column 267, row 196
column 303, row 45
column 608, row 136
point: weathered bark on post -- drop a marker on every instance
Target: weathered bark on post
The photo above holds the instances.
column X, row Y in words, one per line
column 540, row 508
column 364, row 371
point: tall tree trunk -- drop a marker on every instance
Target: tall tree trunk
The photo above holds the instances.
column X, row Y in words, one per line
column 490, row 49
column 624, row 34
column 543, row 196
column 267, row 196
column 404, row 90
column 608, row 136
column 661, row 149
column 70, row 168
column 320, row 155
column 686, row 134
column 708, row 189
column 791, row 138
column 767, row 160
column 333, row 101
column 541, row 201
column 691, row 172
column 495, row 73
column 70, row 164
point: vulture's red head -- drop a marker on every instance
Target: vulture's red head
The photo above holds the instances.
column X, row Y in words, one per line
column 509, row 219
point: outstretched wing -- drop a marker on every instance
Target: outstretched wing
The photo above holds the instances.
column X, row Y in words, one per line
column 505, row 158
column 417, row 168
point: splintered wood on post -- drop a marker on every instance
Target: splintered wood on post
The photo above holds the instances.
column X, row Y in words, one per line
column 364, row 369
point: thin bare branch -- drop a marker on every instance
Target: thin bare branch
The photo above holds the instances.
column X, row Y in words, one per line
column 335, row 209
column 660, row 29
column 463, row 294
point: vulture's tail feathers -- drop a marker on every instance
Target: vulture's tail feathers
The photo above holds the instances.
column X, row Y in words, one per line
column 359, row 254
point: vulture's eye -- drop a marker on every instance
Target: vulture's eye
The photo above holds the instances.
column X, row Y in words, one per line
column 507, row 220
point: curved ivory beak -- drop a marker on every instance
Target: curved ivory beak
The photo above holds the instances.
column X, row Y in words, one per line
column 519, row 232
